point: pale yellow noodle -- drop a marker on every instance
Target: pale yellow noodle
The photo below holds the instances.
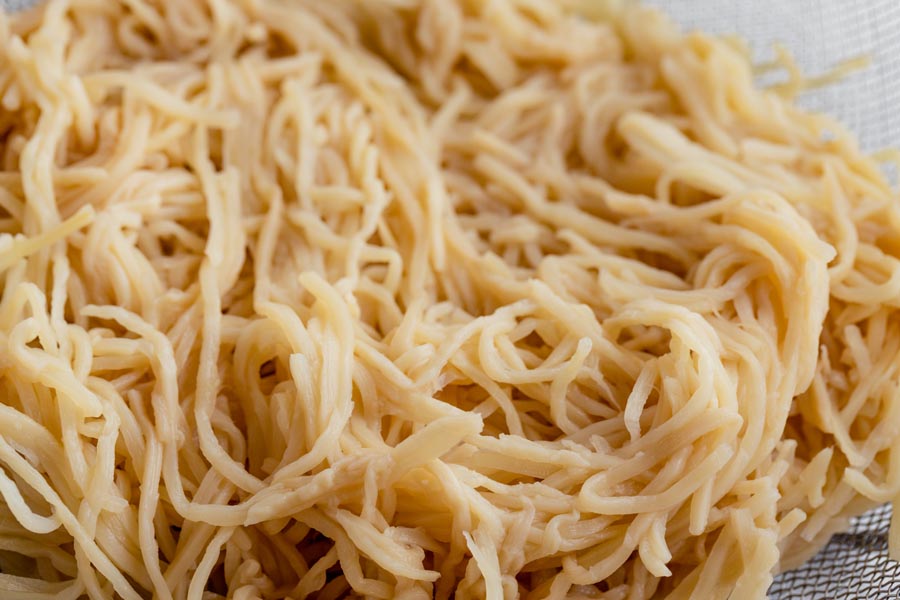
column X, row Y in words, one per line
column 428, row 298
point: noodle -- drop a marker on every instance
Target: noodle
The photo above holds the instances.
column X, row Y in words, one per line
column 428, row 298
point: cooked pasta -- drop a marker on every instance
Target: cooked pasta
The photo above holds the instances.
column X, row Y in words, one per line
column 428, row 298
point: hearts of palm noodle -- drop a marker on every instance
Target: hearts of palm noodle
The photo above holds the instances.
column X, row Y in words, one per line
column 427, row 298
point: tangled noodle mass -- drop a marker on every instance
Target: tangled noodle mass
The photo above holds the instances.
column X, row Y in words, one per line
column 427, row 298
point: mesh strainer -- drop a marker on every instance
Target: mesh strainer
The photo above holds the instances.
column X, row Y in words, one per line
column 854, row 565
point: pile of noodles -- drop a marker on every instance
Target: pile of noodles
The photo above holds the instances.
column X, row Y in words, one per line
column 427, row 298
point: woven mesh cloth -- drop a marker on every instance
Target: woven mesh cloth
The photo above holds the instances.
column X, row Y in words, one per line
column 820, row 33
column 854, row 565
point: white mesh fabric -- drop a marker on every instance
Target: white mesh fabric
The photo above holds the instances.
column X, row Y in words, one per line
column 15, row 4
column 819, row 33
